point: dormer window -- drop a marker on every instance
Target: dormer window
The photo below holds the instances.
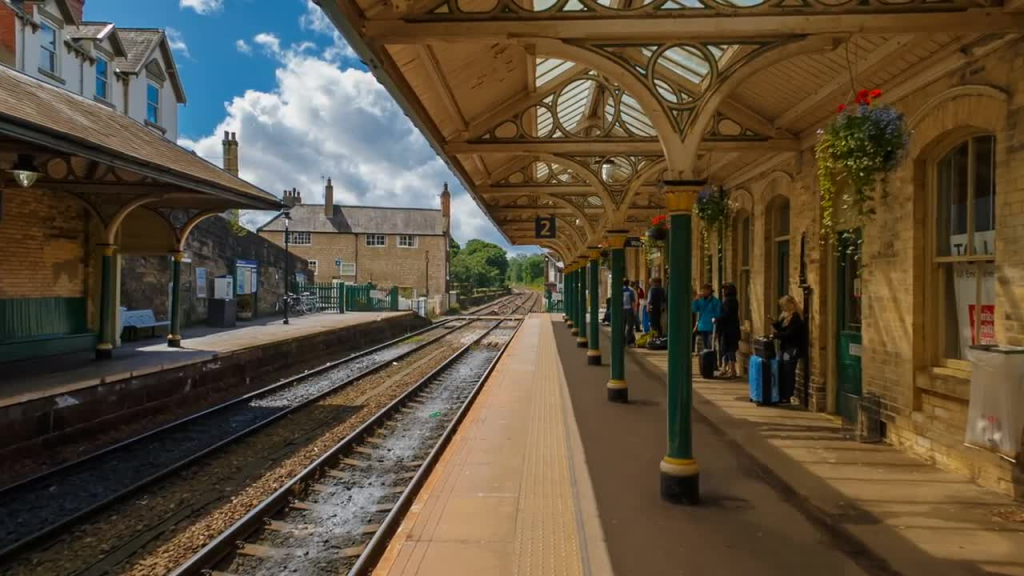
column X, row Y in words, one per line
column 48, row 57
column 102, row 78
column 153, row 103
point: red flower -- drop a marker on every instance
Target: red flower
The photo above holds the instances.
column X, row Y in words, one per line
column 842, row 108
column 658, row 220
column 863, row 95
column 876, row 93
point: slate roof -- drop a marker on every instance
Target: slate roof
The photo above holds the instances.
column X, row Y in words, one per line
column 87, row 30
column 138, row 43
column 29, row 105
column 362, row 220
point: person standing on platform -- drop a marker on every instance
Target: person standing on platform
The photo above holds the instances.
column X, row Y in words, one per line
column 628, row 306
column 639, row 291
column 789, row 331
column 707, row 308
column 728, row 324
column 656, row 306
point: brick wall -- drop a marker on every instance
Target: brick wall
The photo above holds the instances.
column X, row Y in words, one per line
column 421, row 268
column 8, row 35
column 924, row 407
column 44, row 237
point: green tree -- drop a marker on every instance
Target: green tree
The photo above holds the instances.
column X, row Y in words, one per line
column 527, row 269
column 480, row 265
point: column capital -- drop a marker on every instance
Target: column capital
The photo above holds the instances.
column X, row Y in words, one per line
column 108, row 249
column 681, row 195
column 595, row 253
column 617, row 238
column 178, row 255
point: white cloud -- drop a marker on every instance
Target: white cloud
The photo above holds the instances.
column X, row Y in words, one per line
column 243, row 47
column 202, row 6
column 177, row 42
column 323, row 119
column 316, row 21
column 270, row 43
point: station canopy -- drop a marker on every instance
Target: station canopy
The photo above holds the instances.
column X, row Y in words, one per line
column 578, row 109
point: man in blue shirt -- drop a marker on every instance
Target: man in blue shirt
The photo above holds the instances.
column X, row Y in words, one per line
column 628, row 308
column 707, row 308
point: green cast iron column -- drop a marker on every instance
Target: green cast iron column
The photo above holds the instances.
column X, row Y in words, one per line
column 105, row 346
column 174, row 338
column 617, row 389
column 574, row 317
column 680, row 476
column 594, row 352
column 581, row 299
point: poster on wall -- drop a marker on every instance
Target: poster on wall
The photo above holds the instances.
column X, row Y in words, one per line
column 200, row 282
column 245, row 276
column 970, row 305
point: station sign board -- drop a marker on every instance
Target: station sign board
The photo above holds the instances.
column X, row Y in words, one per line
column 544, row 227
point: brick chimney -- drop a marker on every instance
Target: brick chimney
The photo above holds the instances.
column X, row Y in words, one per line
column 77, row 8
column 446, row 207
column 292, row 197
column 230, row 144
column 329, row 199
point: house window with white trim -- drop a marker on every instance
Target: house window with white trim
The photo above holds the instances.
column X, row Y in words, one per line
column 348, row 269
column 964, row 250
column 312, row 266
column 153, row 102
column 405, row 241
column 49, row 58
column 102, row 78
column 376, row 240
column 300, row 238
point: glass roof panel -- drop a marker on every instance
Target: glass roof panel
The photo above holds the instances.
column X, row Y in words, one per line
column 549, row 69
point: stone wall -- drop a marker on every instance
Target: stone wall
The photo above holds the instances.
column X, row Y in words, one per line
column 215, row 246
column 924, row 402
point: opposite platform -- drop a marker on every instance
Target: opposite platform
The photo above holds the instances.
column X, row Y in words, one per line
column 511, row 494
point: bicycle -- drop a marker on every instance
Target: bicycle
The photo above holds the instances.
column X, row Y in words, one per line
column 294, row 303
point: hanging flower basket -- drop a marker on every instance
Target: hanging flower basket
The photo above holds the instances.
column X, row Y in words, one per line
column 862, row 145
column 713, row 209
column 658, row 230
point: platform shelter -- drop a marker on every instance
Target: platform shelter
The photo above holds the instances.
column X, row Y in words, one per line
column 80, row 186
column 597, row 115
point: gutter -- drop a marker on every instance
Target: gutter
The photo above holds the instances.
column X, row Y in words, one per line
column 371, row 60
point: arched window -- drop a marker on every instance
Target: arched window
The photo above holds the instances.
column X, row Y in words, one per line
column 964, row 247
column 742, row 248
column 777, row 250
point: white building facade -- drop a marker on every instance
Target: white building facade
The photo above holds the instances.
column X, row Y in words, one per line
column 130, row 70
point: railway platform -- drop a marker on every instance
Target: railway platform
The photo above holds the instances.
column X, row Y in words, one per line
column 45, row 396
column 546, row 476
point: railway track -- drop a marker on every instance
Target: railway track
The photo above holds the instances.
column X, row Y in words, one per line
column 40, row 506
column 338, row 513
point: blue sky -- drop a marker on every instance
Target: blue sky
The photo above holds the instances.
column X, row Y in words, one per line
column 277, row 73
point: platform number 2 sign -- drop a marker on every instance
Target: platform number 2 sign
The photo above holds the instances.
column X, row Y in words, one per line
column 544, row 227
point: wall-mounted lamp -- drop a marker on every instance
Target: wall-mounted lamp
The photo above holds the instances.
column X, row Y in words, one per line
column 607, row 170
column 25, row 171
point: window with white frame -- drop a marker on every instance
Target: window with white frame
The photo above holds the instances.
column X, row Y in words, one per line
column 348, row 269
column 49, row 58
column 153, row 102
column 312, row 266
column 376, row 240
column 102, row 78
column 964, row 250
column 300, row 238
column 405, row 241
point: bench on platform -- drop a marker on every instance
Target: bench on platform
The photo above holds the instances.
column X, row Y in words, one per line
column 135, row 321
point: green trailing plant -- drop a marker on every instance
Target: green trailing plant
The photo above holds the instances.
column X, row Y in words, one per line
column 235, row 221
column 714, row 210
column 861, row 146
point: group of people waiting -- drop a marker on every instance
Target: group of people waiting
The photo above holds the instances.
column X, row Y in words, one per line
column 716, row 321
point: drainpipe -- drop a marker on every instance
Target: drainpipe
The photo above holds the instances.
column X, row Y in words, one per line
column 806, row 288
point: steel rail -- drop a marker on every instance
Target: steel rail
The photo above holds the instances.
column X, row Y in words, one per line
column 202, row 562
column 36, row 537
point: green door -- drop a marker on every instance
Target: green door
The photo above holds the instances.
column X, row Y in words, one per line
column 848, row 314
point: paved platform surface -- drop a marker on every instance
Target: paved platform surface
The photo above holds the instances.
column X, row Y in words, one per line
column 906, row 515
column 511, row 494
column 40, row 377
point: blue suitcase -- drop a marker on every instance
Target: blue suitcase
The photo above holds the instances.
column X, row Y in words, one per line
column 763, row 380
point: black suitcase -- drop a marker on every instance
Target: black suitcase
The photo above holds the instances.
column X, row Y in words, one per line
column 657, row 343
column 764, row 347
column 708, row 363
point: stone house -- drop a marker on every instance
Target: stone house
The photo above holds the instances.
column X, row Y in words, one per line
column 404, row 247
column 130, row 70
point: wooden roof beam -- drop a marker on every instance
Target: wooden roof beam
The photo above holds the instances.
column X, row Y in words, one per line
column 719, row 28
column 614, row 146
